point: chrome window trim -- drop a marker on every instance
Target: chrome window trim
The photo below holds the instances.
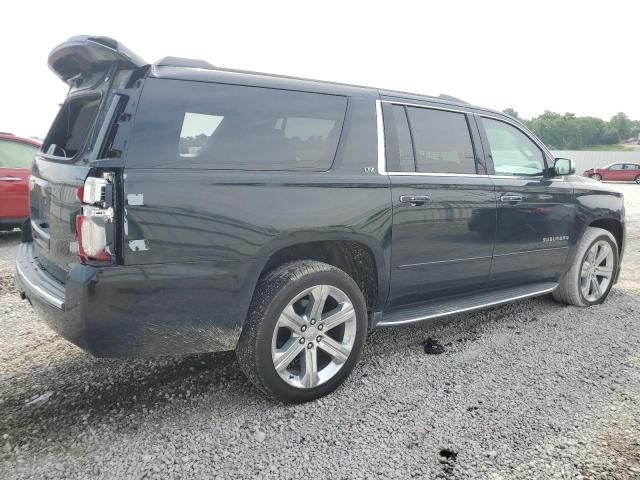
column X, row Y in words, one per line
column 382, row 160
column 425, row 174
column 537, row 177
column 407, row 104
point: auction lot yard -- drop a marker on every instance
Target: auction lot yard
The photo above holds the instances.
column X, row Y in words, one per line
column 530, row 390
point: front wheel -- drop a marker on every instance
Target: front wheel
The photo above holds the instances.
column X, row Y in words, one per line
column 596, row 176
column 305, row 331
column 591, row 276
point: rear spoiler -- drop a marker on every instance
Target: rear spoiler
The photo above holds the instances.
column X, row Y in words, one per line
column 83, row 55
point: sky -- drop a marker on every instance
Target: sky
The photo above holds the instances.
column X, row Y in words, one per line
column 567, row 56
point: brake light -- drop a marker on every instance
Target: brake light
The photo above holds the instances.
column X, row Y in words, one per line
column 93, row 225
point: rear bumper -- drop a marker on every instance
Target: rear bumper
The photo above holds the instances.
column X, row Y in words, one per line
column 140, row 311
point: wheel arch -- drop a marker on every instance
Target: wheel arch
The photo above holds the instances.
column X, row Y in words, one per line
column 358, row 256
column 614, row 227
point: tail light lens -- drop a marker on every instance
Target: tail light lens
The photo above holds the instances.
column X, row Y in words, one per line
column 93, row 226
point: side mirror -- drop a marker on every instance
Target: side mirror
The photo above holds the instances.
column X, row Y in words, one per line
column 563, row 166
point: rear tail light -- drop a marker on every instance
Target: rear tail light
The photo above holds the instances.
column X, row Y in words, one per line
column 93, row 225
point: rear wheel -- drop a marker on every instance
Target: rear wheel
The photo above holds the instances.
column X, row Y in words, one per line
column 305, row 331
column 596, row 176
column 638, row 179
column 590, row 278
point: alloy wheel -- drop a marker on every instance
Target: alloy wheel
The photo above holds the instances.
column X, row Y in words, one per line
column 595, row 176
column 596, row 272
column 314, row 336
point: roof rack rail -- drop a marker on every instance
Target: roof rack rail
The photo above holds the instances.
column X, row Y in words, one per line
column 451, row 98
column 183, row 63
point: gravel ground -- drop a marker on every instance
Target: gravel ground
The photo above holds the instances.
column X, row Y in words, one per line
column 529, row 390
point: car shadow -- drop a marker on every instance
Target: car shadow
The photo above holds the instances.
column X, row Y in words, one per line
column 85, row 391
column 80, row 385
column 11, row 237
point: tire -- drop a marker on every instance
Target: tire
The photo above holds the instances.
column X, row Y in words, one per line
column 572, row 284
column 638, row 179
column 268, row 333
column 596, row 176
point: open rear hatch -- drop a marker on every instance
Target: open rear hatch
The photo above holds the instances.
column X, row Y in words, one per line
column 84, row 143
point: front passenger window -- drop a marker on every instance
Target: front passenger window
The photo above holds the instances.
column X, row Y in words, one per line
column 513, row 153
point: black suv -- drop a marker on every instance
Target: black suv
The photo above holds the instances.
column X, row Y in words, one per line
column 177, row 208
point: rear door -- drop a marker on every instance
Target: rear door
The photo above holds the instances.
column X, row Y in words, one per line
column 632, row 172
column 535, row 212
column 444, row 206
column 15, row 166
column 94, row 68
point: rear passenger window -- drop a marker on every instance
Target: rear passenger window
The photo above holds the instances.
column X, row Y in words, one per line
column 442, row 141
column 399, row 149
column 183, row 124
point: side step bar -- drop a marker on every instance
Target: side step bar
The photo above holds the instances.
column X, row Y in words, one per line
column 418, row 313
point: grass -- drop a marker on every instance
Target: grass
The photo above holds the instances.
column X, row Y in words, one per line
column 607, row 148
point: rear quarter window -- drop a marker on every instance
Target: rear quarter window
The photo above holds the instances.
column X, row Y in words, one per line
column 182, row 124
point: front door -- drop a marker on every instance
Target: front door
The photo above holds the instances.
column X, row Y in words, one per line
column 535, row 211
column 615, row 172
column 443, row 203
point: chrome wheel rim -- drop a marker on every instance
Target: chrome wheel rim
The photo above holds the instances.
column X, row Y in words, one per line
column 596, row 177
column 597, row 271
column 314, row 336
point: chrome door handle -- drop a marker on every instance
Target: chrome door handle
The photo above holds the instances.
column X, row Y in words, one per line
column 511, row 198
column 415, row 200
column 10, row 179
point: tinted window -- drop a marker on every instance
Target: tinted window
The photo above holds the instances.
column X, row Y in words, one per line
column 617, row 166
column 442, row 142
column 513, row 153
column 71, row 127
column 631, row 166
column 16, row 154
column 399, row 149
column 201, row 125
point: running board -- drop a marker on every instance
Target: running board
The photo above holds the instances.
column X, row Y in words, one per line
column 418, row 313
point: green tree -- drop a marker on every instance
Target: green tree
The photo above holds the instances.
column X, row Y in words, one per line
column 568, row 131
column 621, row 123
column 610, row 136
column 512, row 112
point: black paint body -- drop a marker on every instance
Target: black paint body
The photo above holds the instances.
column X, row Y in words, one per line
column 212, row 233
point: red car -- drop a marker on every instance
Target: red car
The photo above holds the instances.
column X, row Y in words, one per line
column 16, row 154
column 620, row 172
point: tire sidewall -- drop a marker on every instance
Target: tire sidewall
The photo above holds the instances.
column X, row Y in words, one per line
column 614, row 247
column 266, row 369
